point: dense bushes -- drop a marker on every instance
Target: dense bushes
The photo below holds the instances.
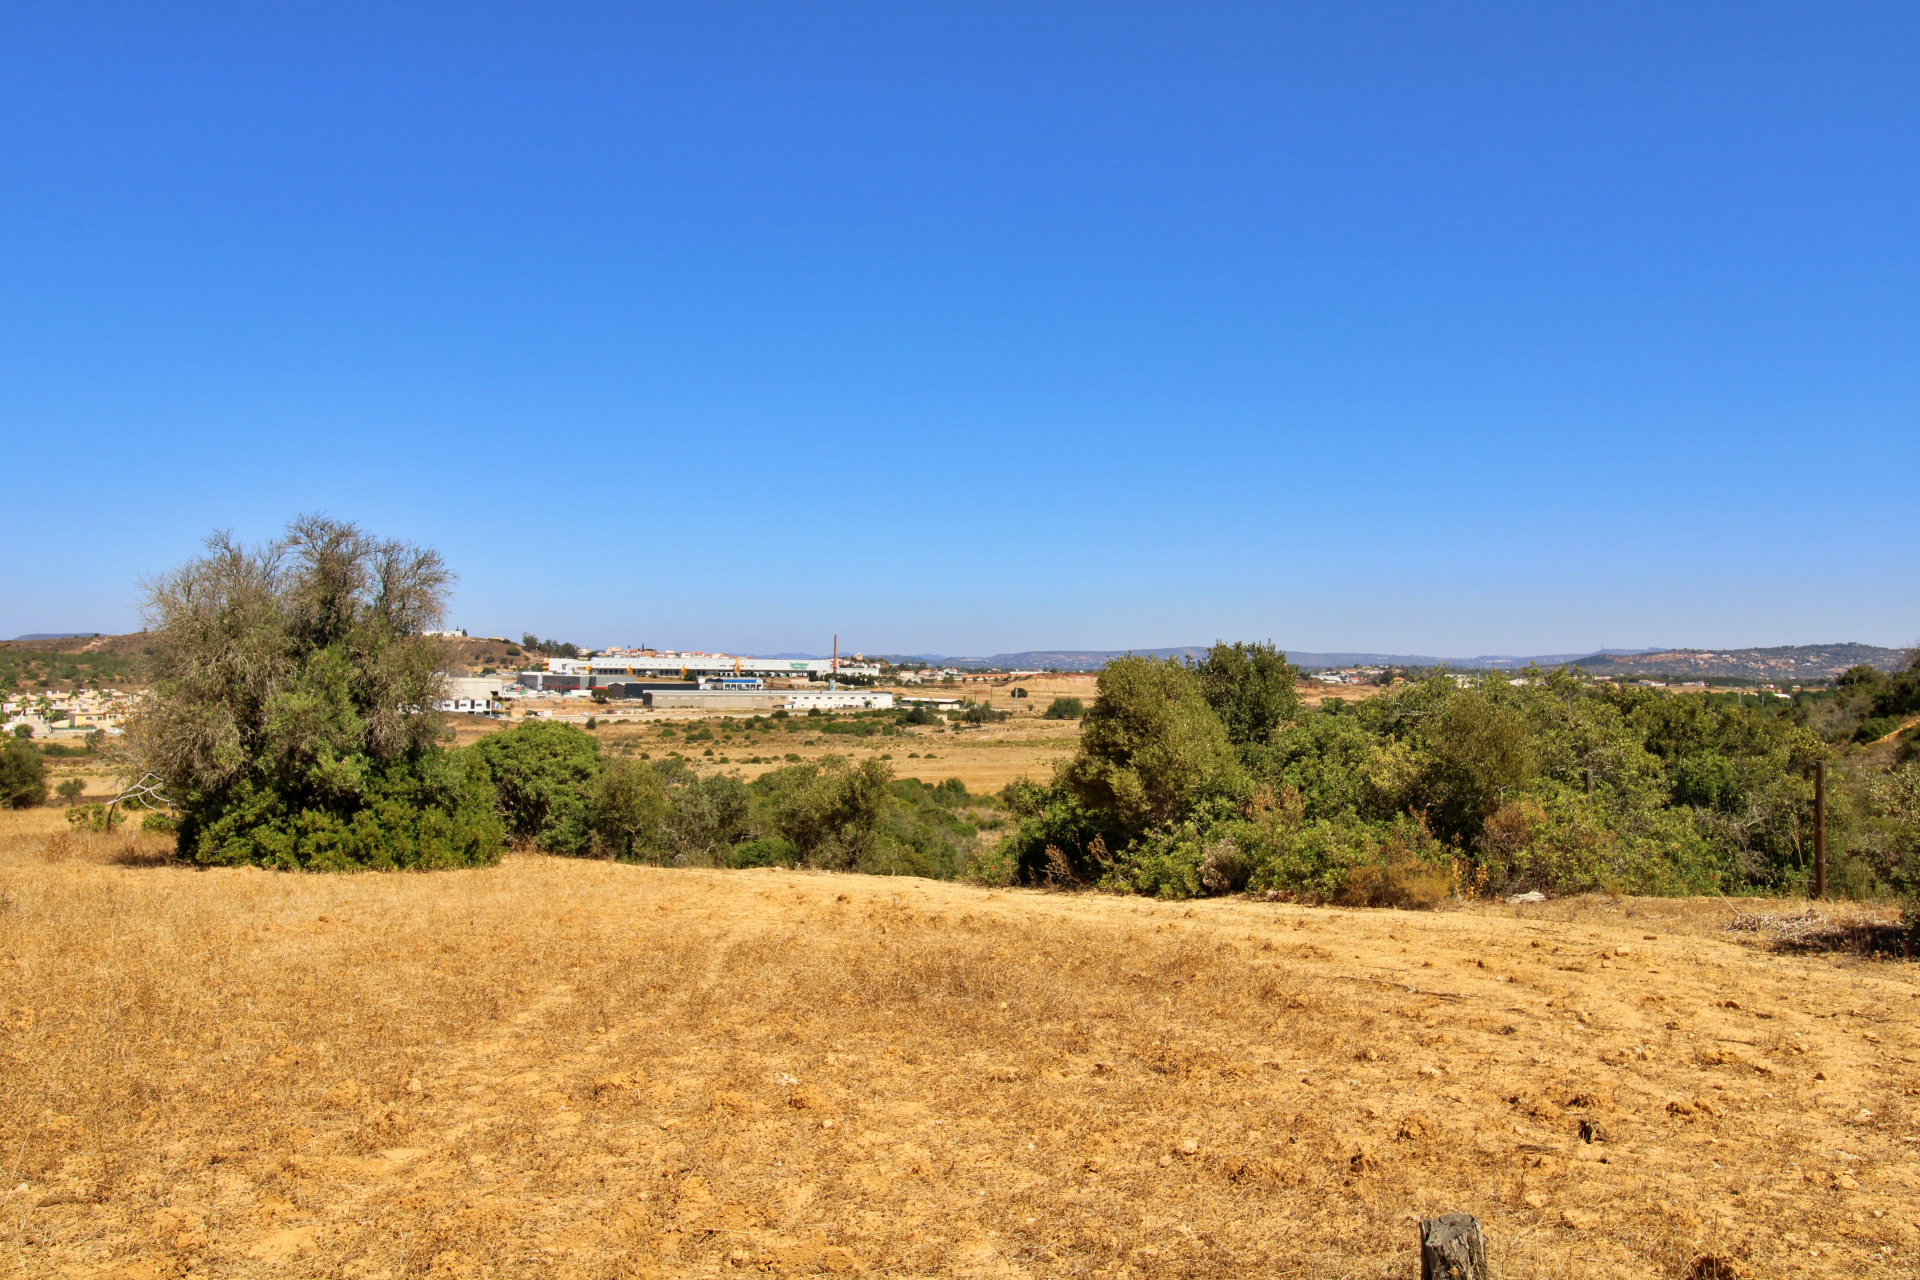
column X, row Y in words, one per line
column 830, row 812
column 1864, row 704
column 1065, row 709
column 23, row 775
column 423, row 813
column 544, row 775
column 555, row 790
column 288, row 717
column 1211, row 777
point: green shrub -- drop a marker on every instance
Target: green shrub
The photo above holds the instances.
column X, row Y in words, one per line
column 1065, row 709
column 423, row 814
column 1151, row 748
column 159, row 823
column 705, row 817
column 767, row 851
column 830, row 811
column 627, row 811
column 71, row 790
column 23, row 775
column 543, row 775
column 1877, row 728
column 92, row 817
column 285, row 715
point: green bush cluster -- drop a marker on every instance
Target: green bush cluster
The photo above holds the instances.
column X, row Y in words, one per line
column 554, row 790
column 1864, row 704
column 289, row 719
column 1212, row 777
column 23, row 775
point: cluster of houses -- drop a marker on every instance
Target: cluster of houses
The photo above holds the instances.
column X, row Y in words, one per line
column 1350, row 675
column 55, row 715
column 959, row 675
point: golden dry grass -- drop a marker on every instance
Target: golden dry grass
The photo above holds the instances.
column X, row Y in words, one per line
column 565, row 1068
column 986, row 758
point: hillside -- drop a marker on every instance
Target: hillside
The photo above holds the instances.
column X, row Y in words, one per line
column 579, row 1069
column 122, row 655
column 1094, row 659
column 1785, row 662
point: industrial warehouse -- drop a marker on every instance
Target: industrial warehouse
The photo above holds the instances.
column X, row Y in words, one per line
column 673, row 681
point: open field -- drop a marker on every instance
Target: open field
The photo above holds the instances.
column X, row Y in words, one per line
column 986, row 758
column 570, row 1068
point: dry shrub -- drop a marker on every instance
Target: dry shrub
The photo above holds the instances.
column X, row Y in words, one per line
column 1509, row 830
column 1059, row 873
column 1405, row 882
column 123, row 847
column 1225, row 867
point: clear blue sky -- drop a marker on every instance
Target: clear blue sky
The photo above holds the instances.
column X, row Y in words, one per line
column 1444, row 328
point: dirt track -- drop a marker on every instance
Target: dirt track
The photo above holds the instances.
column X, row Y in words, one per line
column 576, row 1069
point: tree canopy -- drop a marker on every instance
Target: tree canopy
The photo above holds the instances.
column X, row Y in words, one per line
column 1214, row 776
column 291, row 714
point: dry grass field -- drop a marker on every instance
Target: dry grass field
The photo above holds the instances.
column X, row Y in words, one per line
column 576, row 1069
column 986, row 758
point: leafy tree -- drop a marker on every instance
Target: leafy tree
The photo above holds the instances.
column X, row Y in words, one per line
column 544, row 774
column 549, row 648
column 1251, row 688
column 1545, row 780
column 830, row 811
column 23, row 775
column 1891, row 842
column 1481, row 753
column 289, row 716
column 628, row 811
column 1065, row 709
column 70, row 790
column 706, row 816
column 1150, row 747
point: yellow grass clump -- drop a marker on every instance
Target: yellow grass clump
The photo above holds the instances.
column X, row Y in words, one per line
column 577, row 1069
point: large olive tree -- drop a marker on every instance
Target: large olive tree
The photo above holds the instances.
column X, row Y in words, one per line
column 292, row 711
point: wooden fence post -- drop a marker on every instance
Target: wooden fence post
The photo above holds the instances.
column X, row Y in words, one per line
column 1452, row 1248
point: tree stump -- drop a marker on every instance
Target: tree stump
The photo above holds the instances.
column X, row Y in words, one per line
column 1452, row 1248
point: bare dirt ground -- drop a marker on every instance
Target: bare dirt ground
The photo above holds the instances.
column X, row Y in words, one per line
column 576, row 1069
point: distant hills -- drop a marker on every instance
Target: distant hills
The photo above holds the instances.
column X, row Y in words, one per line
column 1094, row 659
column 1783, row 662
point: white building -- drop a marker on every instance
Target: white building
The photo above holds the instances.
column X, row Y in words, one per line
column 471, row 695
column 839, row 700
column 670, row 665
